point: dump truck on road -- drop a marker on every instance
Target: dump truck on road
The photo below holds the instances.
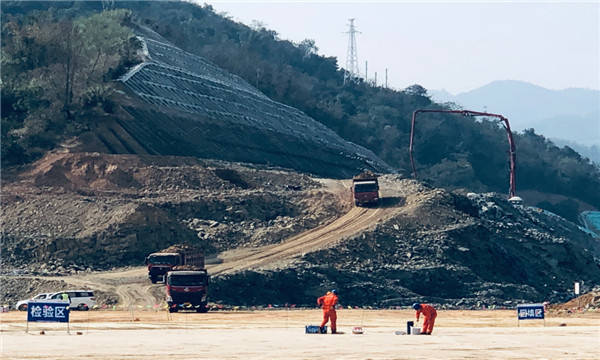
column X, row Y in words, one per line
column 365, row 189
column 187, row 289
column 159, row 263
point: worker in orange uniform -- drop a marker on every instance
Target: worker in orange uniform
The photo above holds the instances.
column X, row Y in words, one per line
column 429, row 314
column 328, row 303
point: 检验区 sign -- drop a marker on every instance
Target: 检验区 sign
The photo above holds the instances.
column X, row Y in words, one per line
column 530, row 311
column 48, row 311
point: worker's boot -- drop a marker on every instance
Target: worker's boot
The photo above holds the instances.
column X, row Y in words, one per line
column 333, row 331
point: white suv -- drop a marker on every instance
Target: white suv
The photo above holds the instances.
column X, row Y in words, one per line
column 22, row 305
column 79, row 299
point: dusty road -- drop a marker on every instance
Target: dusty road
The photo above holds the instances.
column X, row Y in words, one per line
column 133, row 288
column 280, row 334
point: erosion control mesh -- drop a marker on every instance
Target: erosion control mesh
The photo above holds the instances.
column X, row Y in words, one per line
column 175, row 80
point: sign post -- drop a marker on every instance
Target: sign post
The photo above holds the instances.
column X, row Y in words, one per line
column 530, row 312
column 47, row 311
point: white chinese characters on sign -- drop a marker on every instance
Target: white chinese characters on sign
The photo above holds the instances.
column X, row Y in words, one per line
column 59, row 311
column 36, row 311
column 47, row 311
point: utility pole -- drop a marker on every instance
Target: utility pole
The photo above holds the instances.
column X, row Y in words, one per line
column 366, row 70
column 386, row 78
column 375, row 78
column 352, row 71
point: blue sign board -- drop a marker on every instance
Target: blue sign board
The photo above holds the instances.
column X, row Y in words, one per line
column 48, row 311
column 530, row 311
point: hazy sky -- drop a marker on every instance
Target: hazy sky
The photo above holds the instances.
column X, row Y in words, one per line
column 455, row 46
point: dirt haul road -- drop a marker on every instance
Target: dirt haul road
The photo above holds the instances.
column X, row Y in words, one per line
column 133, row 287
column 279, row 334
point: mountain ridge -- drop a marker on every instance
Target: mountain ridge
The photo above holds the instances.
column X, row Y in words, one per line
column 571, row 114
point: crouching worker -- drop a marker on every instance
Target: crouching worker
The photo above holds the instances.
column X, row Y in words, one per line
column 429, row 314
column 328, row 303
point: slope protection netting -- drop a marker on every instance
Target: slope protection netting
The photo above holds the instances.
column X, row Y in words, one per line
column 177, row 80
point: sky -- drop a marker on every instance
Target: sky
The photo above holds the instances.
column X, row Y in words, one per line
column 456, row 46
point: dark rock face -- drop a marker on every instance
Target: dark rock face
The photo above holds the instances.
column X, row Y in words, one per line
column 448, row 249
column 187, row 106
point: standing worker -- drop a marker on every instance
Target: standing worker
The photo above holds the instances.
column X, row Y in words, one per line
column 429, row 314
column 328, row 303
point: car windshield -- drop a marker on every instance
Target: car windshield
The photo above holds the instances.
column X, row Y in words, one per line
column 163, row 259
column 40, row 296
column 365, row 187
column 187, row 280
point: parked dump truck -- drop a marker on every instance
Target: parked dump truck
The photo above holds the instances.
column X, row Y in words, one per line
column 159, row 263
column 187, row 289
column 365, row 189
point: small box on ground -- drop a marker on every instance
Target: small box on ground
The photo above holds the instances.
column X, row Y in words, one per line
column 314, row 329
column 415, row 330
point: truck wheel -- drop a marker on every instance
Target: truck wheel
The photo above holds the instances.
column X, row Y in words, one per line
column 153, row 279
column 172, row 309
column 202, row 309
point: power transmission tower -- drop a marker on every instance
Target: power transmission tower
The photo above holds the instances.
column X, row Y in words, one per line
column 352, row 71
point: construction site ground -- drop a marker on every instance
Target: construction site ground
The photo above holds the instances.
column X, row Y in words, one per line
column 280, row 334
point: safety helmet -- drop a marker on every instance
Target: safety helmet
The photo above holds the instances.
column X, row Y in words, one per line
column 334, row 291
column 416, row 306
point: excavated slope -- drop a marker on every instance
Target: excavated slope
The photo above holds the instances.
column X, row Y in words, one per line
column 183, row 105
column 437, row 247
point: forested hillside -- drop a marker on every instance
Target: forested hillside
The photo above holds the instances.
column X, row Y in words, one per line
column 450, row 151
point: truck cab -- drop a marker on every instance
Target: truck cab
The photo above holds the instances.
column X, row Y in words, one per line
column 187, row 290
column 161, row 263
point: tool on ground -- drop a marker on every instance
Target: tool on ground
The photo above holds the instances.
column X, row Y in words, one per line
column 357, row 330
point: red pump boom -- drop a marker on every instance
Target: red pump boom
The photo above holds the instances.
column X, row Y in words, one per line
column 512, row 150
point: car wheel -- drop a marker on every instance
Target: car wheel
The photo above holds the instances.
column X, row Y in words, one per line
column 23, row 307
column 83, row 307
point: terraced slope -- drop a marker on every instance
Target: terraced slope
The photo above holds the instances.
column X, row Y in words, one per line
column 183, row 105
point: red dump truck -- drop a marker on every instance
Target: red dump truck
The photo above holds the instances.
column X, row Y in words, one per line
column 159, row 263
column 187, row 289
column 365, row 189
